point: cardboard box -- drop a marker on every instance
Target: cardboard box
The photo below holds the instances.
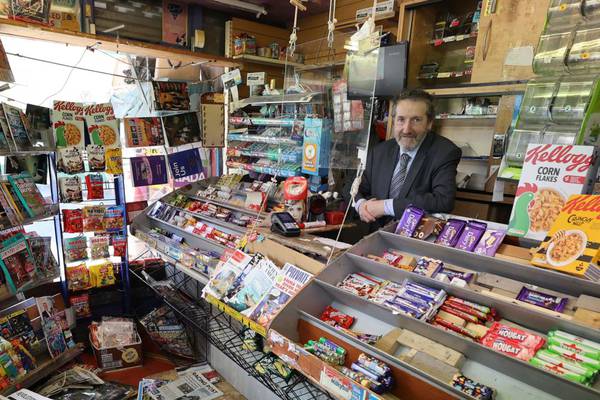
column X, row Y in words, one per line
column 573, row 243
column 119, row 357
column 551, row 173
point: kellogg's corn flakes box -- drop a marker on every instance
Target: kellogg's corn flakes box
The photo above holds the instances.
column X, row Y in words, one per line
column 573, row 243
column 551, row 173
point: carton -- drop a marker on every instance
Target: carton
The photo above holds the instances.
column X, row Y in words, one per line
column 551, row 173
column 573, row 242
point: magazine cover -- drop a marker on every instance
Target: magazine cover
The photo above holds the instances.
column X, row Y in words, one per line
column 175, row 23
column 17, row 263
column 40, row 126
column 225, row 276
column 134, row 209
column 36, row 11
column 103, row 127
column 17, row 124
column 255, row 285
column 171, row 96
column 44, row 259
column 185, row 163
column 182, row 129
column 11, row 197
column 287, row 284
column 142, row 132
column 36, row 166
column 149, row 170
column 8, row 216
column 6, row 131
column 6, row 74
column 28, row 193
column 68, row 125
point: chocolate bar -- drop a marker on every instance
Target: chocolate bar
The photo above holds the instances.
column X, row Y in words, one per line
column 452, row 273
column 471, row 235
column 574, row 356
column 438, row 321
column 520, row 336
column 409, row 221
column 451, row 232
column 436, row 294
column 379, row 367
column 490, row 242
column 429, row 226
column 508, row 347
column 574, row 338
column 556, row 370
column 463, row 315
column 428, row 266
column 575, row 347
column 544, row 300
column 364, row 380
column 472, row 388
column 335, row 317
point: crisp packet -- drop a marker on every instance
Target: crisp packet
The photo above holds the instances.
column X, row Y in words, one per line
column 409, row 221
column 544, row 300
column 451, row 232
column 470, row 236
column 490, row 242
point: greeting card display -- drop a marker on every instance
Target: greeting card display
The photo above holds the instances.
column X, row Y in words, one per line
column 185, row 163
column 141, row 132
column 171, row 96
column 150, row 170
column 182, row 129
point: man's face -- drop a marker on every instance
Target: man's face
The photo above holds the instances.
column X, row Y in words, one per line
column 411, row 123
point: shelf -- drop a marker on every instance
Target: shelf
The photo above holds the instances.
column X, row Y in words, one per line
column 224, row 204
column 110, row 43
column 51, row 210
column 26, row 153
column 291, row 158
column 315, row 67
column 450, row 116
column 224, row 224
column 563, row 283
column 281, row 172
column 445, row 75
column 250, row 121
column 290, row 98
column 351, row 24
column 44, row 369
column 473, row 351
column 463, row 90
column 262, row 139
column 452, row 39
column 266, row 61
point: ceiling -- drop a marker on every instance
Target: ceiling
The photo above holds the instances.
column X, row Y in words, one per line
column 279, row 12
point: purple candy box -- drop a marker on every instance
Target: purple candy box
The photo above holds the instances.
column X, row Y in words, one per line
column 544, row 300
column 490, row 242
column 451, row 232
column 409, row 221
column 471, row 235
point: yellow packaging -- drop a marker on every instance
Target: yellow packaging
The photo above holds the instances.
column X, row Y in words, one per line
column 573, row 243
column 114, row 161
column 102, row 274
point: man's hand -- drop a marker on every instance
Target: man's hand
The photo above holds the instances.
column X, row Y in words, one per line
column 364, row 213
column 376, row 207
column 370, row 210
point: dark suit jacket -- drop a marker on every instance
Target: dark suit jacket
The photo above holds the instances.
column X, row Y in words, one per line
column 430, row 182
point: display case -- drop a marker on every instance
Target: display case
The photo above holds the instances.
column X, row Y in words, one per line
column 510, row 377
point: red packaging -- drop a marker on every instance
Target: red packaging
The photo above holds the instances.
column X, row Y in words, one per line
column 73, row 221
column 95, row 187
column 458, row 329
column 519, row 336
column 469, row 310
column 459, row 314
column 508, row 347
column 119, row 243
column 334, row 317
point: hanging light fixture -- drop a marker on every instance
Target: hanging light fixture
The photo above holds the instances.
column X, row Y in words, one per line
column 242, row 5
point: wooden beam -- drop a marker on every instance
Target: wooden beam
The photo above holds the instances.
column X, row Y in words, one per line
column 110, row 43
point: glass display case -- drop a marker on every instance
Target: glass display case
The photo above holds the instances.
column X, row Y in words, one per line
column 584, row 56
column 552, row 52
column 517, row 145
column 564, row 12
column 537, row 101
column 571, row 101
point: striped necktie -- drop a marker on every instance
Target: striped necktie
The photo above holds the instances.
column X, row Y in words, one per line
column 399, row 175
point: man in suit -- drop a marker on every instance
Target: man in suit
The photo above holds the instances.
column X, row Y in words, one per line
column 416, row 167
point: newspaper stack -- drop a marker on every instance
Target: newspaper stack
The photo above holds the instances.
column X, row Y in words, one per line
column 188, row 386
column 74, row 378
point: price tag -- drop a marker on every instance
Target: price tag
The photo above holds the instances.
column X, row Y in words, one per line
column 255, row 78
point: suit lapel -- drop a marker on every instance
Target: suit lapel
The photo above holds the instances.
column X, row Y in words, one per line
column 415, row 167
column 388, row 170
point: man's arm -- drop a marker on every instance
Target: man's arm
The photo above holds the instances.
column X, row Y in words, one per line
column 441, row 198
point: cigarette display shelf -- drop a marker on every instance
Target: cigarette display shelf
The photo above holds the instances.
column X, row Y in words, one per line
column 290, row 98
column 257, row 121
column 225, row 333
column 284, row 172
column 511, row 377
column 286, row 157
column 261, row 139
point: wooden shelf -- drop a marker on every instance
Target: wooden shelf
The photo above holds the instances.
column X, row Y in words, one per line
column 350, row 24
column 452, row 39
column 44, row 369
column 468, row 90
column 109, row 43
column 266, row 61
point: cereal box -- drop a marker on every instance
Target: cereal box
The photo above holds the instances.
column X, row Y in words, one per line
column 67, row 122
column 103, row 127
column 551, row 173
column 573, row 242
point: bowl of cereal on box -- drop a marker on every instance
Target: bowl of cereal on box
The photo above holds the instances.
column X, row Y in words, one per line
column 544, row 209
column 565, row 247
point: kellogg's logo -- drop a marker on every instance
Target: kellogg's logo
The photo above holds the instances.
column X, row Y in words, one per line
column 583, row 203
column 559, row 155
column 77, row 108
column 105, row 108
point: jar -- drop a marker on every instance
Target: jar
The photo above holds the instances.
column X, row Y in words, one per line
column 275, row 50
